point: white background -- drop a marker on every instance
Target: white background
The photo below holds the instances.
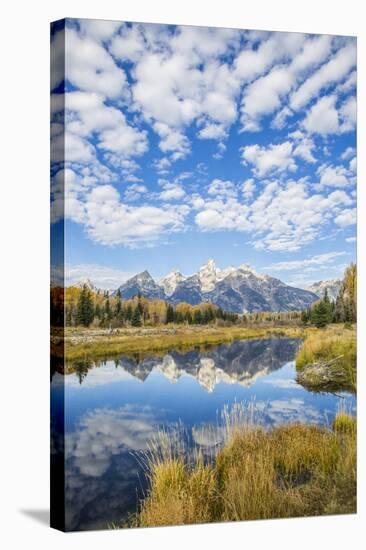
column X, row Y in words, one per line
column 24, row 218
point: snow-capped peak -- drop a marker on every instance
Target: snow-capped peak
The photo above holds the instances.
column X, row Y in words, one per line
column 86, row 282
column 143, row 277
column 171, row 281
column 207, row 275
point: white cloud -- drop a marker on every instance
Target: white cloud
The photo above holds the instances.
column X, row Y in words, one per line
column 348, row 84
column 304, row 146
column 281, row 218
column 223, row 214
column 100, row 275
column 98, row 28
column 279, row 120
column 172, row 141
column 134, row 192
column 346, row 217
column 162, row 165
column 87, row 114
column 274, row 158
column 353, row 165
column 351, row 239
column 331, row 72
column 323, row 117
column 248, row 188
column 128, row 44
column 280, row 46
column 222, row 189
column 172, row 191
column 348, row 113
column 90, row 67
column 212, row 131
column 313, row 262
column 333, row 176
column 348, row 153
column 265, row 94
column 109, row 221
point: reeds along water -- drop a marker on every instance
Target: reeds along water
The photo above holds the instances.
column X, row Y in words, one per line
column 238, row 470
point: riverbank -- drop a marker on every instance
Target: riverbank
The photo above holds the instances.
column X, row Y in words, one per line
column 288, row 471
column 327, row 361
column 82, row 343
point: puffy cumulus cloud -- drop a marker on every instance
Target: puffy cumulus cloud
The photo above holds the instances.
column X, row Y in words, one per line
column 90, row 67
column 98, row 28
column 353, row 165
column 323, row 117
column 186, row 81
column 126, row 166
column 271, row 159
column 279, row 121
column 109, row 221
column 256, row 60
column 248, row 188
column 334, row 176
column 134, row 192
column 314, row 262
column 171, row 192
column 222, row 189
column 348, row 113
column 303, row 146
column 87, row 115
column 128, row 44
column 331, row 72
column 283, row 217
column 172, row 141
column 227, row 214
column 213, row 131
column 346, row 217
column 265, row 94
column 348, row 153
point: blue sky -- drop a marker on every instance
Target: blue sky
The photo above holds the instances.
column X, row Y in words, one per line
column 188, row 143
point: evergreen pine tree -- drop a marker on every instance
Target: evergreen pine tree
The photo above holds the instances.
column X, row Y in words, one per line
column 319, row 314
column 136, row 318
column 85, row 308
column 170, row 314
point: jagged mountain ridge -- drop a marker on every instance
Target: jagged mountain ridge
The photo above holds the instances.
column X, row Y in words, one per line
column 238, row 290
column 331, row 285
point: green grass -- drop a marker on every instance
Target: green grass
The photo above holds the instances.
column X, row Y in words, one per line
column 288, row 471
column 327, row 360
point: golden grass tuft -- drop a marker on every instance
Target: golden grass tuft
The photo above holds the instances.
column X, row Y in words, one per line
column 288, row 471
column 327, row 360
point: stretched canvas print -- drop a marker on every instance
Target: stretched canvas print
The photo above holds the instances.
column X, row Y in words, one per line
column 203, row 275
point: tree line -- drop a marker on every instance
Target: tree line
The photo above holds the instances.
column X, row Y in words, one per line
column 342, row 310
column 86, row 308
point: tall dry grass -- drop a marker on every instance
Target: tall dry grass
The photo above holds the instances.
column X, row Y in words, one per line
column 288, row 471
column 327, row 357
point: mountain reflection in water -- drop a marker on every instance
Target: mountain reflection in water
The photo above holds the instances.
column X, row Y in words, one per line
column 113, row 408
column 239, row 362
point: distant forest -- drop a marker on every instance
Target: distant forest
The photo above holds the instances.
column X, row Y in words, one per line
column 79, row 306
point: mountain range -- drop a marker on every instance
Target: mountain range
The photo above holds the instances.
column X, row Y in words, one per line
column 236, row 289
column 332, row 286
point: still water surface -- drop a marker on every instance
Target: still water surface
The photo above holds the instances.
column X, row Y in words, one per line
column 112, row 409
